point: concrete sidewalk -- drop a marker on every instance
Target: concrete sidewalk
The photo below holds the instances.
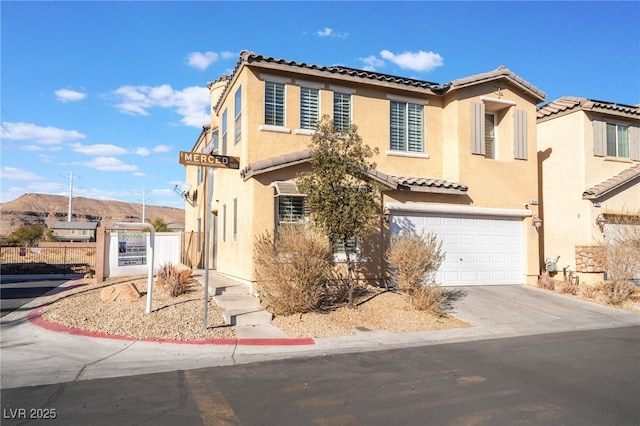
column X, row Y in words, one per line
column 32, row 355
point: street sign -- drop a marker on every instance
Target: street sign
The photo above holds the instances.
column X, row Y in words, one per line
column 208, row 160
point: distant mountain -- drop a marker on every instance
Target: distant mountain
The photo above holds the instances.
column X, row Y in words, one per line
column 47, row 209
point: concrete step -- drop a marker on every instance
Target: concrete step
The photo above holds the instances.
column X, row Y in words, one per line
column 237, row 301
column 228, row 289
column 244, row 317
column 260, row 332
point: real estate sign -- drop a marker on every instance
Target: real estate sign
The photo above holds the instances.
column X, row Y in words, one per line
column 132, row 248
column 208, row 160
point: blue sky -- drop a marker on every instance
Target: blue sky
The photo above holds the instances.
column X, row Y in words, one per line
column 112, row 91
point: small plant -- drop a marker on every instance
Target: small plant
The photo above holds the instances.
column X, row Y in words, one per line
column 615, row 291
column 589, row 291
column 414, row 260
column 545, row 281
column 429, row 297
column 292, row 269
column 173, row 281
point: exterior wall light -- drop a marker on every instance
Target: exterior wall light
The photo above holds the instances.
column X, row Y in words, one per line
column 536, row 222
column 601, row 222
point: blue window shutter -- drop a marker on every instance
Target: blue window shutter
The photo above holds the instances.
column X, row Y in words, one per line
column 477, row 129
column 520, row 145
column 599, row 138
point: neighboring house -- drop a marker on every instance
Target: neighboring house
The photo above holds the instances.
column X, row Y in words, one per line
column 457, row 159
column 74, row 231
column 589, row 155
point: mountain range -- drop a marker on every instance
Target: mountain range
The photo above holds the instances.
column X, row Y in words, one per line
column 45, row 209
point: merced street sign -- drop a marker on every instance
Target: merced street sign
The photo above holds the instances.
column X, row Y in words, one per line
column 208, row 160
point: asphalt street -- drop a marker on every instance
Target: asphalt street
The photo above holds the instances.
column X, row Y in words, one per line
column 583, row 378
column 16, row 292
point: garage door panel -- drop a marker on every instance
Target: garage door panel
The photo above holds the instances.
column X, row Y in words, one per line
column 478, row 250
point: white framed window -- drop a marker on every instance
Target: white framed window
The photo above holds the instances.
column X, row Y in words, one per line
column 237, row 112
column 309, row 108
column 406, row 127
column 490, row 136
column 341, row 110
column 224, row 132
column 234, row 235
column 224, row 223
column 617, row 140
column 339, row 252
column 215, row 142
column 273, row 103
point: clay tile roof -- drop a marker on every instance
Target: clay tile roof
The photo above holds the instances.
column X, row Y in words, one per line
column 500, row 72
column 603, row 188
column 393, row 182
column 568, row 103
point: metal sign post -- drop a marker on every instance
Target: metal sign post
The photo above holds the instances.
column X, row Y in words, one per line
column 209, row 161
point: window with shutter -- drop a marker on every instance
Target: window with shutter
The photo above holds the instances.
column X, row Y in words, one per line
column 309, row 108
column 406, row 127
column 617, row 140
column 341, row 111
column 237, row 109
column 490, row 136
column 274, row 103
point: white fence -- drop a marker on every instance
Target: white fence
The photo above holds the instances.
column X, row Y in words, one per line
column 166, row 250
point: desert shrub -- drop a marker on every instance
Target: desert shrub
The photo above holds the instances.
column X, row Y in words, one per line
column 589, row 291
column 615, row 291
column 173, row 281
column 622, row 248
column 413, row 260
column 429, row 297
column 546, row 282
column 292, row 268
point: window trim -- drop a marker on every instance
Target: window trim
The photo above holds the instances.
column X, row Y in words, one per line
column 350, row 118
column 237, row 109
column 407, row 126
column 276, row 106
column 617, row 126
column 494, row 150
column 318, row 112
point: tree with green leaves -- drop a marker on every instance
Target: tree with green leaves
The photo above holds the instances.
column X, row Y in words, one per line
column 28, row 235
column 159, row 225
column 342, row 201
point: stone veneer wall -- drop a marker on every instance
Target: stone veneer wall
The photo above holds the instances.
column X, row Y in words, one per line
column 590, row 259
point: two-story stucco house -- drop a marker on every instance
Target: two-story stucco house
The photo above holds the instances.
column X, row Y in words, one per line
column 457, row 159
column 589, row 154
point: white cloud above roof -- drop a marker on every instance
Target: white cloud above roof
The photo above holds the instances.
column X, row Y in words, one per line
column 416, row 61
column 192, row 103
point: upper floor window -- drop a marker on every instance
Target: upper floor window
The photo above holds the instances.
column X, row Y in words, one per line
column 237, row 112
column 309, row 108
column 341, row 110
column 617, row 140
column 274, row 103
column 224, row 132
column 490, row 136
column 407, row 127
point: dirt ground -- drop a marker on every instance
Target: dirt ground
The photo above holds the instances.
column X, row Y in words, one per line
column 181, row 318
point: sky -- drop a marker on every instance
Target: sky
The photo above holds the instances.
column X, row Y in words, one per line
column 109, row 93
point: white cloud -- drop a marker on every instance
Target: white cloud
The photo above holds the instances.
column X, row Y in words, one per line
column 45, row 135
column 192, row 103
column 328, row 32
column 12, row 173
column 98, row 149
column 416, row 61
column 68, row 95
column 161, row 148
column 372, row 62
column 201, row 60
column 142, row 151
column 109, row 164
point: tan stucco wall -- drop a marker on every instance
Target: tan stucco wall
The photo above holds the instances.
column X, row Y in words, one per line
column 569, row 168
column 501, row 183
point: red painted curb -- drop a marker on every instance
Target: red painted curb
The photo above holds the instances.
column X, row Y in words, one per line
column 35, row 318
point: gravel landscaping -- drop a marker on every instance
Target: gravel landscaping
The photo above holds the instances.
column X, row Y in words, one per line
column 181, row 318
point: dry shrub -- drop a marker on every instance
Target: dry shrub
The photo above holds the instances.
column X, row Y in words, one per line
column 292, row 268
column 429, row 297
column 172, row 281
column 545, row 281
column 622, row 248
column 414, row 260
column 589, row 291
